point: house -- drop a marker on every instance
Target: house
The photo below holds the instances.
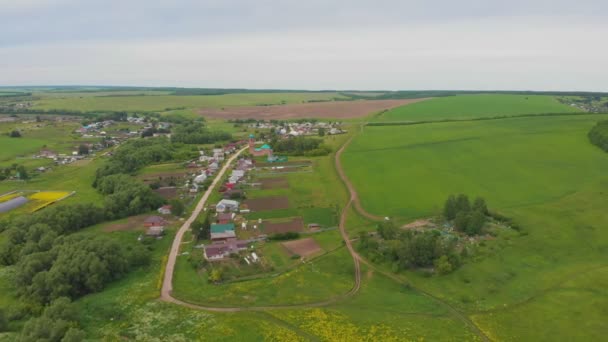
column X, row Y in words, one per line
column 155, row 231
column 227, row 205
column 45, row 153
column 220, row 251
column 224, row 218
column 222, row 232
column 264, row 150
column 200, row 178
column 153, row 221
column 165, row 210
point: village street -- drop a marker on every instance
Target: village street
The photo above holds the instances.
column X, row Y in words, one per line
column 168, row 277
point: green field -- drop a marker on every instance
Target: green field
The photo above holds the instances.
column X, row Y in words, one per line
column 475, row 106
column 540, row 171
column 165, row 102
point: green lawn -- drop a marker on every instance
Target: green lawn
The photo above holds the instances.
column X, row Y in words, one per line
column 14, row 147
column 165, row 102
column 475, row 106
column 316, row 280
column 542, row 284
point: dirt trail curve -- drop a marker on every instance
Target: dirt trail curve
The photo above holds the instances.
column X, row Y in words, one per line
column 355, row 200
column 354, row 197
column 168, row 277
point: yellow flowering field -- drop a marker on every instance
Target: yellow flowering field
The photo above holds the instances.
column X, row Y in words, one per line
column 43, row 199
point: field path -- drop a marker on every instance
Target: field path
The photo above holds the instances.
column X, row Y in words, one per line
column 354, row 199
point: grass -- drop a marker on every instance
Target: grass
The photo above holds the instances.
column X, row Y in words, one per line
column 475, row 106
column 167, row 102
column 541, row 171
column 317, row 280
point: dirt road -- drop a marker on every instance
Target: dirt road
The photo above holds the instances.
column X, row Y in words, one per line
column 165, row 293
column 168, row 278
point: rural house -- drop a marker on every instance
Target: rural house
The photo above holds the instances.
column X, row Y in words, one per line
column 165, row 210
column 220, row 251
column 154, row 221
column 227, row 205
column 222, row 232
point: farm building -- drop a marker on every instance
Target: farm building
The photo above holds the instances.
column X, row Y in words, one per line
column 222, row 232
column 220, row 251
column 200, row 178
column 155, row 231
column 227, row 205
column 165, row 210
column 12, row 204
column 264, row 150
column 154, row 221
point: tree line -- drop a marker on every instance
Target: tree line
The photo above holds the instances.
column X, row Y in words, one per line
column 598, row 135
column 300, row 146
column 197, row 133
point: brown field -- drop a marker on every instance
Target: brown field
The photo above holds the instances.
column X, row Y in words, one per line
column 267, row 203
column 274, row 183
column 167, row 192
column 333, row 110
column 295, row 225
column 303, row 247
column 132, row 223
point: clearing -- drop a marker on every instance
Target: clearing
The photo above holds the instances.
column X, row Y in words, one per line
column 302, row 247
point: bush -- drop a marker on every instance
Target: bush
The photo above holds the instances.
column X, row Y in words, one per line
column 598, row 135
column 284, row 236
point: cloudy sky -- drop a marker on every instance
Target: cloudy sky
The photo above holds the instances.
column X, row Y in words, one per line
column 307, row 44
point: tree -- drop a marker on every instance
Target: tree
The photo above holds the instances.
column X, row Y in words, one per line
column 321, row 131
column 443, row 265
column 216, row 275
column 201, row 229
column 461, row 221
column 480, row 204
column 74, row 335
column 15, row 134
column 462, row 203
column 23, row 175
column 475, row 222
column 449, row 208
column 387, row 230
column 177, row 207
column 83, row 149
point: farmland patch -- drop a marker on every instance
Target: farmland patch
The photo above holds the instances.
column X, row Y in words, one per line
column 293, row 225
column 302, row 247
column 267, row 203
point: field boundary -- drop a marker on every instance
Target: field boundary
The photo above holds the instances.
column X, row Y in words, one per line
column 499, row 117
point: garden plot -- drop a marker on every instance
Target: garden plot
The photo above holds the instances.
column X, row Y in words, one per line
column 267, row 203
column 294, row 225
column 303, row 247
column 274, row 183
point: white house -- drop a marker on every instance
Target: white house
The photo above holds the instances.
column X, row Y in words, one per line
column 200, row 178
column 227, row 205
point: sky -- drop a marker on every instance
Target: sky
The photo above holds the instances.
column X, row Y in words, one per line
column 311, row 44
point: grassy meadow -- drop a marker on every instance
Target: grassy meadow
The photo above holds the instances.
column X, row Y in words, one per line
column 544, row 283
column 167, row 102
column 475, row 106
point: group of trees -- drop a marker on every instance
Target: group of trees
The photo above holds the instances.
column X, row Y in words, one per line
column 201, row 228
column 197, row 133
column 300, row 146
column 57, row 323
column 15, row 134
column 598, row 135
column 125, row 196
column 468, row 218
column 19, row 170
column 410, row 249
column 135, row 154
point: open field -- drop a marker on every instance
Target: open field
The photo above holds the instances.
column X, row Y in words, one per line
column 476, row 106
column 540, row 171
column 167, row 102
column 267, row 203
column 330, row 110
